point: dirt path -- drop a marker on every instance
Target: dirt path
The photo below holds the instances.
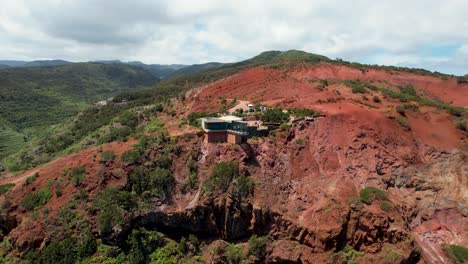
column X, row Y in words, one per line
column 240, row 105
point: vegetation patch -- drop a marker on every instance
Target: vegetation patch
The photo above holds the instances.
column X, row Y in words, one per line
column 303, row 112
column 243, row 186
column 350, row 256
column 107, row 156
column 359, row 89
column 114, row 205
column 460, row 123
column 390, row 254
column 403, row 122
column 4, row 188
column 456, row 253
column 193, row 118
column 192, row 180
column 275, row 116
column 154, row 125
column 233, row 253
column 369, row 194
column 386, row 206
column 69, row 250
column 156, row 183
column 31, row 179
column 130, row 157
column 77, row 175
column 37, row 198
column 401, row 109
column 257, row 246
column 222, row 176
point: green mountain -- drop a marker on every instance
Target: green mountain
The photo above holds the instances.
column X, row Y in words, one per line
column 34, row 98
column 274, row 56
column 197, row 68
column 46, row 63
column 159, row 70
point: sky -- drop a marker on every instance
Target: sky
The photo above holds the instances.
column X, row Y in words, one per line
column 430, row 34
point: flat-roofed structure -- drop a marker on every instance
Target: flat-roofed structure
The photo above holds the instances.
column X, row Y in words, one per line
column 229, row 129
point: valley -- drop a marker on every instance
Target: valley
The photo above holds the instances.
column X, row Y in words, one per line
column 378, row 175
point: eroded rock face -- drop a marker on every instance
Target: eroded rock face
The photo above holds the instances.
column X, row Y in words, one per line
column 307, row 182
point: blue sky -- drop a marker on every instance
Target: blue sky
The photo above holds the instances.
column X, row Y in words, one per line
column 420, row 33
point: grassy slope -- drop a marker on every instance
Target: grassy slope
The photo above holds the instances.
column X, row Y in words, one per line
column 11, row 141
column 47, row 95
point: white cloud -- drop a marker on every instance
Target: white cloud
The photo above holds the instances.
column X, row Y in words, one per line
column 187, row 31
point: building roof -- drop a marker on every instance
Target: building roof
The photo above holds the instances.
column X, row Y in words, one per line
column 230, row 118
column 212, row 120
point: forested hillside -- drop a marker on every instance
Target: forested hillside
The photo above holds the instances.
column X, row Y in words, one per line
column 34, row 98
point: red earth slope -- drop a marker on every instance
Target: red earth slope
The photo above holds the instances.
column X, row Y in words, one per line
column 308, row 178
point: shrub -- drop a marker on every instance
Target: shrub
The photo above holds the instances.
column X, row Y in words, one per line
column 458, row 254
column 275, row 116
column 119, row 133
column 142, row 243
column 68, row 250
column 350, row 256
column 130, row 157
column 369, row 194
column 77, row 175
column 166, row 255
column 233, row 253
column 194, row 242
column 222, row 176
column 359, row 89
column 386, row 206
column 31, row 179
column 37, row 198
column 129, row 119
column 4, row 188
column 460, row 123
column 160, row 182
column 284, row 126
column 401, row 110
column 257, row 246
column 114, row 204
column 154, row 125
column 403, row 122
column 193, row 118
column 301, row 112
column 191, row 183
column 107, row 156
column 409, row 89
column 154, row 184
column 243, row 186
column 376, row 99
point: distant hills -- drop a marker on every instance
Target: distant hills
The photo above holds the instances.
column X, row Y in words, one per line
column 160, row 71
column 36, row 63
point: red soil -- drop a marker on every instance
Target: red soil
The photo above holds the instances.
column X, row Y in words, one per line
column 309, row 174
column 31, row 234
column 300, row 87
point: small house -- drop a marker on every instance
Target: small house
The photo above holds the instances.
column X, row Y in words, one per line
column 231, row 129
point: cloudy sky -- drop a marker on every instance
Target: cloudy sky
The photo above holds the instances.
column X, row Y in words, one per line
column 429, row 34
